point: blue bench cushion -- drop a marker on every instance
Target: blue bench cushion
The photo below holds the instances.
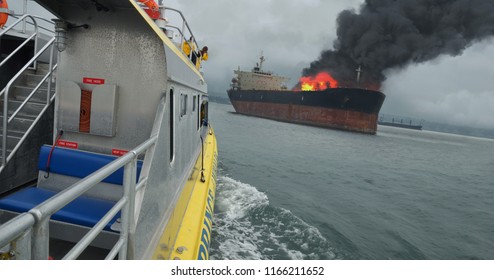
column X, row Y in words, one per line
column 82, row 211
column 80, row 164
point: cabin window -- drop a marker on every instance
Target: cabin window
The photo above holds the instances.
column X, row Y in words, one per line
column 172, row 125
column 204, row 113
column 194, row 103
column 183, row 105
column 198, row 114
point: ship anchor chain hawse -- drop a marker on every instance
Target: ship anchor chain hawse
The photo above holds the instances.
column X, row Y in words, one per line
column 107, row 150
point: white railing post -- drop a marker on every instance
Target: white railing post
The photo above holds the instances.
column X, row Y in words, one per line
column 5, row 127
column 24, row 11
column 22, row 246
column 17, row 234
column 30, row 231
column 127, row 217
column 41, row 239
column 48, row 94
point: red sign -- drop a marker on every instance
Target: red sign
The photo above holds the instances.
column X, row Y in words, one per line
column 93, row 81
column 67, row 144
column 117, row 152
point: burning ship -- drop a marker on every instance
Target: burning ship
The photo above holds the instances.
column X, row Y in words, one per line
column 316, row 100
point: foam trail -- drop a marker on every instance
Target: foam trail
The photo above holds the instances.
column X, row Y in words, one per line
column 246, row 226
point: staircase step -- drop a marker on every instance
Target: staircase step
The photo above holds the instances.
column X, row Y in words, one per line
column 11, row 142
column 22, row 92
column 21, row 124
column 8, row 153
column 32, row 80
column 42, row 68
column 30, row 110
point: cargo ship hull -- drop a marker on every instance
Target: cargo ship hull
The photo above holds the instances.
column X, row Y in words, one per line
column 350, row 109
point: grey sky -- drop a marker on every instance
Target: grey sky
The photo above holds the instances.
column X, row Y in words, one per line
column 292, row 33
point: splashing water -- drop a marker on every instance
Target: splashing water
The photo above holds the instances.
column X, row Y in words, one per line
column 246, row 226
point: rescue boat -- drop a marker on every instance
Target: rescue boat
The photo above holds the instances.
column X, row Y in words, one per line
column 107, row 150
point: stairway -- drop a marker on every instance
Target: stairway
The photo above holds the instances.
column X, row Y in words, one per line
column 22, row 168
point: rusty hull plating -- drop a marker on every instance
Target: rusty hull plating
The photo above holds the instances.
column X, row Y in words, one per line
column 350, row 109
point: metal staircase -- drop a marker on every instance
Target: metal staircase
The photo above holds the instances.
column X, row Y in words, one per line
column 26, row 104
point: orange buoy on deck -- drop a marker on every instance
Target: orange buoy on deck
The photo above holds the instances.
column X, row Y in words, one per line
column 153, row 10
column 4, row 15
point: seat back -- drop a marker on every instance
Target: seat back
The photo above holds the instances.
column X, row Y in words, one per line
column 67, row 166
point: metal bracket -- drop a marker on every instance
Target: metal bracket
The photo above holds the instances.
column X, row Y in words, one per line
column 6, row 11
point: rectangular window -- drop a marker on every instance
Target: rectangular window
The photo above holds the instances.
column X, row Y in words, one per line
column 172, row 125
column 198, row 114
column 183, row 105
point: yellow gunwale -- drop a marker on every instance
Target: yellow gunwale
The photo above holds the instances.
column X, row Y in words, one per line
column 182, row 236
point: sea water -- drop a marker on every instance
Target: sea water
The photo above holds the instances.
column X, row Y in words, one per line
column 288, row 191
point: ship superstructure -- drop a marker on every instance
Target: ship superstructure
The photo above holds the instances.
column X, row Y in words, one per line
column 258, row 79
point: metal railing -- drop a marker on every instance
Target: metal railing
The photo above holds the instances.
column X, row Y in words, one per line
column 19, row 232
column 183, row 30
column 34, row 36
column 5, row 92
column 25, row 22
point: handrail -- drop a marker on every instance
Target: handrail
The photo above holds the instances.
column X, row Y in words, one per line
column 24, row 137
column 12, row 229
column 40, row 18
column 185, row 24
column 182, row 30
column 34, row 91
column 37, row 218
column 22, row 19
column 17, row 49
column 5, row 93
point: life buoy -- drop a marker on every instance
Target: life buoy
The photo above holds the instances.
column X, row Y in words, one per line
column 153, row 10
column 4, row 15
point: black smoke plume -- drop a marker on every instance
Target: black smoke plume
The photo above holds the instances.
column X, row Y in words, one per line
column 392, row 34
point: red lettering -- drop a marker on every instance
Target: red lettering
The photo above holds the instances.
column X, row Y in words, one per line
column 93, row 81
column 67, row 144
column 117, row 152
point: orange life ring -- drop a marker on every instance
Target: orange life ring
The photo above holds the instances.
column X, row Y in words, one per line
column 153, row 10
column 4, row 15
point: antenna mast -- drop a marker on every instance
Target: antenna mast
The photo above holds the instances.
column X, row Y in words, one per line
column 359, row 71
column 262, row 59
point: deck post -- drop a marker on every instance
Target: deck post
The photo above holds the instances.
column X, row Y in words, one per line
column 128, row 228
column 41, row 239
column 22, row 246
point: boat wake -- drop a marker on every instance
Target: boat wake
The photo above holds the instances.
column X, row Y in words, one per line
column 247, row 227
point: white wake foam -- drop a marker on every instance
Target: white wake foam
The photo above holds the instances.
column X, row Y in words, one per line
column 247, row 227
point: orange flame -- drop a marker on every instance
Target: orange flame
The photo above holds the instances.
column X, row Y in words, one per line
column 321, row 81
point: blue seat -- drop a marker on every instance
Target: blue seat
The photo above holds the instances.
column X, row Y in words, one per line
column 82, row 211
column 76, row 163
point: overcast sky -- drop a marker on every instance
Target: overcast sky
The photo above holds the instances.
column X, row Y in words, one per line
column 292, row 33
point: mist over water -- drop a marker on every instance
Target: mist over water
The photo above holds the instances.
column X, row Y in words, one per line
column 288, row 191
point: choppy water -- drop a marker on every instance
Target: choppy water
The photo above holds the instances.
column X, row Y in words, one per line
column 288, row 191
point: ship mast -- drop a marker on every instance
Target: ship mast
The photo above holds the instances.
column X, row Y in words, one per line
column 359, row 71
column 262, row 59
